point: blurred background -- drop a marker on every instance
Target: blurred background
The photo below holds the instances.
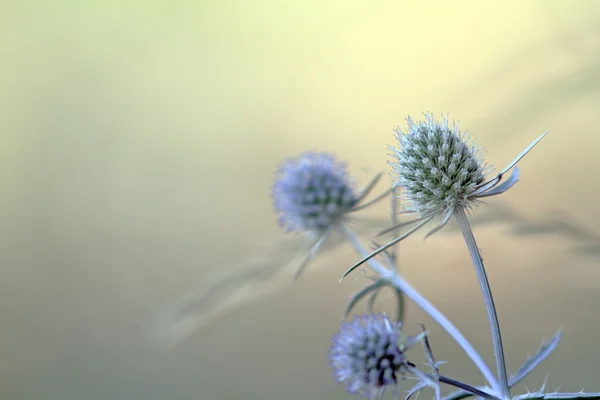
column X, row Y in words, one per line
column 139, row 143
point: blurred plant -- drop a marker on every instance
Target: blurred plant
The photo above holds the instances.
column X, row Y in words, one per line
column 314, row 197
column 314, row 194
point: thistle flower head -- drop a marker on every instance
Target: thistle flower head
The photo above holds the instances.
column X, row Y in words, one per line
column 436, row 166
column 312, row 192
column 441, row 174
column 367, row 355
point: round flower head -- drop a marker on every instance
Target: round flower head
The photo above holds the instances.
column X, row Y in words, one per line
column 367, row 355
column 436, row 166
column 441, row 174
column 312, row 192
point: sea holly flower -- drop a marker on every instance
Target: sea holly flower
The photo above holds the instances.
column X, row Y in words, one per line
column 442, row 175
column 368, row 355
column 314, row 193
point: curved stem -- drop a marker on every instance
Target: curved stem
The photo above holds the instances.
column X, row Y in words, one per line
column 467, row 388
column 487, row 298
column 400, row 283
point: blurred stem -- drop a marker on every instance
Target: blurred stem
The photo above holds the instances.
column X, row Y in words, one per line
column 394, row 254
column 401, row 284
column 486, row 291
column 395, row 232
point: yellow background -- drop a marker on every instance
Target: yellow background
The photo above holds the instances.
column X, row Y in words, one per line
column 139, row 142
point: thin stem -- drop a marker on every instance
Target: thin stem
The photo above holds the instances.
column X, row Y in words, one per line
column 486, row 291
column 398, row 282
column 394, row 253
column 467, row 388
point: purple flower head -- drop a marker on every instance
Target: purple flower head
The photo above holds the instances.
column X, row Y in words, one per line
column 367, row 355
column 312, row 192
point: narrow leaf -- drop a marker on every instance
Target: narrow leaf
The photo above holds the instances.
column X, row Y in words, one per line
column 440, row 226
column 415, row 389
column 504, row 186
column 382, row 248
column 372, row 298
column 371, row 202
column 400, row 306
column 461, row 394
column 403, row 224
column 429, row 353
column 369, row 187
column 559, row 396
column 533, row 362
column 521, row 373
column 360, row 294
column 312, row 254
column 523, row 153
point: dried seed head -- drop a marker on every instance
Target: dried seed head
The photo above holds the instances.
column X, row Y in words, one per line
column 312, row 192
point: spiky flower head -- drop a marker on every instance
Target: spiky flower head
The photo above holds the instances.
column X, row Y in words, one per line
column 442, row 174
column 437, row 168
column 367, row 354
column 312, row 192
